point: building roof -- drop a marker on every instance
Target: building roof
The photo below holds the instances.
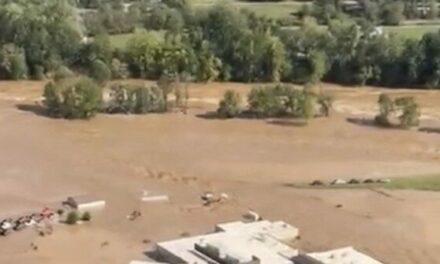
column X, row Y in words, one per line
column 252, row 243
column 278, row 230
column 346, row 255
column 236, row 240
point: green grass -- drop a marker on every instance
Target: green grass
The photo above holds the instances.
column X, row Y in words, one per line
column 269, row 9
column 426, row 183
column 120, row 41
column 421, row 183
column 412, row 32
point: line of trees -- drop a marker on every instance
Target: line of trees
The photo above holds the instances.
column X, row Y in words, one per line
column 276, row 101
column 73, row 97
column 219, row 43
column 378, row 12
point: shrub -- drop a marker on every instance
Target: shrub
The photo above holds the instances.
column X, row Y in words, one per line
column 135, row 99
column 386, row 107
column 13, row 62
column 281, row 100
column 19, row 69
column 148, row 100
column 307, row 105
column 100, row 72
column 229, row 107
column 72, row 98
column 39, row 73
column 72, row 218
column 86, row 217
column 264, row 102
column 62, row 72
column 52, row 99
column 409, row 112
column 406, row 106
column 121, row 99
column 119, row 70
column 325, row 102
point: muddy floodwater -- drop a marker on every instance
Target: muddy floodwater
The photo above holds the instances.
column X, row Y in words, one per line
column 117, row 157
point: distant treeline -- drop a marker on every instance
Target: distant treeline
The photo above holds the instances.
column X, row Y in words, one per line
column 377, row 12
column 48, row 39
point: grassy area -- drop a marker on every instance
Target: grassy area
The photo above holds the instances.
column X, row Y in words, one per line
column 270, row 9
column 426, row 183
column 120, row 41
column 413, row 32
column 422, row 183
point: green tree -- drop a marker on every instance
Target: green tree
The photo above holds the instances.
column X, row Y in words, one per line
column 410, row 112
column 430, row 66
column 52, row 98
column 149, row 100
column 77, row 98
column 386, row 108
column 167, row 84
column 100, row 72
column 19, row 68
column 325, row 102
column 121, row 99
column 229, row 106
column 392, row 12
column 13, row 63
column 433, row 9
column 209, row 65
column 62, row 72
column 264, row 102
column 274, row 61
column 318, row 66
column 119, row 70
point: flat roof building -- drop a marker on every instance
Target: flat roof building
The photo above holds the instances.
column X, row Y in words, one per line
column 234, row 243
column 346, row 255
column 261, row 242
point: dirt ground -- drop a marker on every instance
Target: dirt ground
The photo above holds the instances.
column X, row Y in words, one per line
column 43, row 160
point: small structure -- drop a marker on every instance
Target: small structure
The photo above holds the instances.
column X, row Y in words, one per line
column 84, row 203
column 148, row 197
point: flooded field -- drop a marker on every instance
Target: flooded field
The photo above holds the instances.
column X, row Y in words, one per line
column 117, row 157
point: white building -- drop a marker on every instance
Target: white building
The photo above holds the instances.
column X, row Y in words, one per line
column 237, row 242
column 261, row 242
column 346, row 255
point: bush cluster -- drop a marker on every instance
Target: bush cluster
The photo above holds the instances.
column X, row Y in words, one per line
column 72, row 98
column 405, row 109
column 277, row 101
column 135, row 99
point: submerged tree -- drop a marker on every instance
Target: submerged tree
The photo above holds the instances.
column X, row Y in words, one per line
column 229, row 106
column 406, row 109
column 410, row 112
column 386, row 107
column 76, row 98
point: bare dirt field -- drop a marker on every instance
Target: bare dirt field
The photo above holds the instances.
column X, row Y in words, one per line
column 43, row 160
